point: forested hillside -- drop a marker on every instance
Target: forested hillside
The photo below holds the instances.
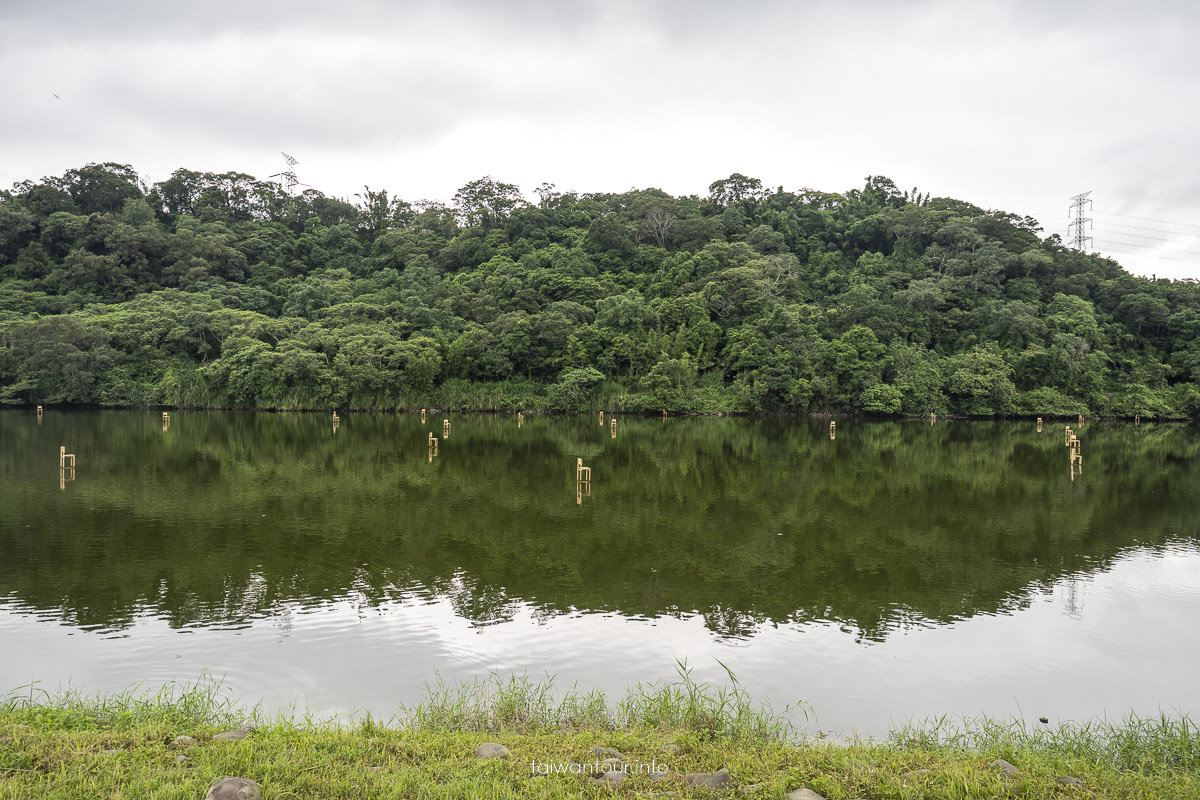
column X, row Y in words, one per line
column 221, row 290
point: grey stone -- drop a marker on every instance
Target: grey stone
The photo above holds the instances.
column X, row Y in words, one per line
column 234, row 789
column 720, row 779
column 1067, row 779
column 805, row 794
column 491, row 750
column 607, row 752
column 183, row 741
column 180, row 759
column 615, row 778
column 672, row 748
column 916, row 774
column 1006, row 769
column 233, row 736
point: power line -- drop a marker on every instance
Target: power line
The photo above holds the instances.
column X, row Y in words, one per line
column 1150, row 219
column 1185, row 234
column 1102, row 248
column 1140, row 236
column 1139, row 245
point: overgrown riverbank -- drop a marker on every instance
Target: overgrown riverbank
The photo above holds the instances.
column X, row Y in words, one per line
column 694, row 736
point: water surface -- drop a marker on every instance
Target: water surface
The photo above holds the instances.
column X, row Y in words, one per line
column 896, row 570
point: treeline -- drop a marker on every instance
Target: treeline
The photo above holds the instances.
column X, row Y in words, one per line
column 219, row 290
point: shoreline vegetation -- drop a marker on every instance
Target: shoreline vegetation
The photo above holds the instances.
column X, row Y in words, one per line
column 516, row 737
column 650, row 414
column 217, row 290
column 646, row 413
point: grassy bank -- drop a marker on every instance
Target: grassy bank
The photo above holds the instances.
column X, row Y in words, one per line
column 127, row 746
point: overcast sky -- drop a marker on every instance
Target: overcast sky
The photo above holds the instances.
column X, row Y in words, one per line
column 1009, row 105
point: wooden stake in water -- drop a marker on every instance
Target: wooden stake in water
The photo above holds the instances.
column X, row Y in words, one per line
column 1137, row 419
column 1039, row 425
column 445, row 429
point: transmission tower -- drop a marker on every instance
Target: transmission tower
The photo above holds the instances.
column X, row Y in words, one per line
column 287, row 178
column 1078, row 220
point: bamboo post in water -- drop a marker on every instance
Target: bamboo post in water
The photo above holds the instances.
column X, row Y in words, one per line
column 1039, row 425
column 1137, row 419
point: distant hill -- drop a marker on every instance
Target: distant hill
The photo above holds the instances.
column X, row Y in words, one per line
column 222, row 290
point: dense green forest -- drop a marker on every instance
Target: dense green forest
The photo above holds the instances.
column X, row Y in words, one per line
column 219, row 290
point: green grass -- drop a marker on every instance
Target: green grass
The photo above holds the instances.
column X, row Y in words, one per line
column 122, row 746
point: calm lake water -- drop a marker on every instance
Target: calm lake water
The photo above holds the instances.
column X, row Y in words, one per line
column 897, row 571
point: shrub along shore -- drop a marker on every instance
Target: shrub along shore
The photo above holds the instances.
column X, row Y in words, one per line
column 513, row 737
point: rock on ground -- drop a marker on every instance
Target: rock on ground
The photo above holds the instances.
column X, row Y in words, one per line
column 491, row 750
column 610, row 779
column 233, row 736
column 1067, row 779
column 1006, row 769
column 805, row 794
column 720, row 779
column 234, row 789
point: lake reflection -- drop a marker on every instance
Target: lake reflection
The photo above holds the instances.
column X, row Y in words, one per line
column 896, row 569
